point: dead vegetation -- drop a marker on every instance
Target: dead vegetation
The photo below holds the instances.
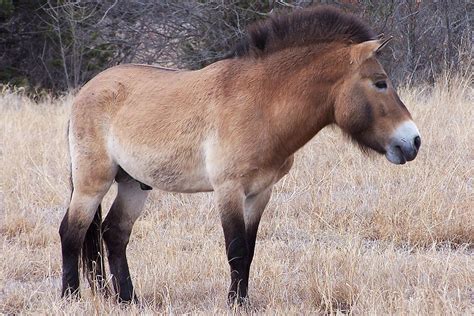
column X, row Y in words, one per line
column 343, row 233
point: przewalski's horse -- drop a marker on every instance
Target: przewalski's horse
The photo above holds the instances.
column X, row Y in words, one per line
column 231, row 128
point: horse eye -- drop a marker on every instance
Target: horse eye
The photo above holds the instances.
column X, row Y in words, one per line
column 381, row 84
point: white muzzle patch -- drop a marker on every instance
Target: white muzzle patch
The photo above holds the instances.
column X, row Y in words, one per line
column 404, row 143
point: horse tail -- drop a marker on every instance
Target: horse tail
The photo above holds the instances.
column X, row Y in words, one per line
column 93, row 252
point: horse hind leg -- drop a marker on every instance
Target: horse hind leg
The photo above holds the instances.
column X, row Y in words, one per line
column 117, row 228
column 78, row 227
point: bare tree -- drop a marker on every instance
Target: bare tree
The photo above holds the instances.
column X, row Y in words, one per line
column 61, row 44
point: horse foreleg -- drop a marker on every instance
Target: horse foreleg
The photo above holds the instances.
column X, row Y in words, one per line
column 230, row 203
column 254, row 207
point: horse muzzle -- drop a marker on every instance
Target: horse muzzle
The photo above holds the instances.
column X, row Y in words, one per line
column 404, row 144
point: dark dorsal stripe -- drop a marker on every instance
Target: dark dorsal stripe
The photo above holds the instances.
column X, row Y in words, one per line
column 300, row 28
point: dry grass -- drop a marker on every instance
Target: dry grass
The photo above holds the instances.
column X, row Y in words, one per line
column 342, row 233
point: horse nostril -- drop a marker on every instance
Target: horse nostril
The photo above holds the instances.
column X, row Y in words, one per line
column 417, row 142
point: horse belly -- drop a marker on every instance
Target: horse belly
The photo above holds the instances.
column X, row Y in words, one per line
column 168, row 168
column 174, row 176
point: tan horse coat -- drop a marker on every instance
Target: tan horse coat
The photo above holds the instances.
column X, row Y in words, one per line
column 231, row 127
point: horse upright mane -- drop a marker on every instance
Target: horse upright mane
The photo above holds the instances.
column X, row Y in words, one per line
column 300, row 28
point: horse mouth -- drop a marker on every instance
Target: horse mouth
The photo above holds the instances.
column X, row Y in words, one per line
column 395, row 155
column 405, row 144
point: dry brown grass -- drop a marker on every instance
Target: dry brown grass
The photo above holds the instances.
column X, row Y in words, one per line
column 342, row 233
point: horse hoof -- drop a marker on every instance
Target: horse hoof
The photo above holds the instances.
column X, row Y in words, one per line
column 70, row 294
column 234, row 301
column 128, row 300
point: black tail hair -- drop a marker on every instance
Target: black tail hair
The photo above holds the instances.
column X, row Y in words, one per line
column 93, row 253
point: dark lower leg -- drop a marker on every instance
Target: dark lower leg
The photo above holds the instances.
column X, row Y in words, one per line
column 70, row 277
column 71, row 242
column 116, row 242
column 251, row 235
column 238, row 257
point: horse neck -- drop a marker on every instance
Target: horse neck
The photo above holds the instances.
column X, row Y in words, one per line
column 300, row 98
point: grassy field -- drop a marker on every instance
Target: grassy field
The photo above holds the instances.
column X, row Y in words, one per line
column 343, row 232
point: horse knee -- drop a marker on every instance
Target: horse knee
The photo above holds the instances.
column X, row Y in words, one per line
column 116, row 239
column 79, row 216
column 70, row 236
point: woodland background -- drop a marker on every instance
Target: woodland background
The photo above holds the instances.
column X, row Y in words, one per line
column 344, row 233
column 57, row 45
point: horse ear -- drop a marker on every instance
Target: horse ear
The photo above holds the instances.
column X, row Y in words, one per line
column 383, row 43
column 365, row 50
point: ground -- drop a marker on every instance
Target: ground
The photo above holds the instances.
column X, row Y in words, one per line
column 344, row 232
